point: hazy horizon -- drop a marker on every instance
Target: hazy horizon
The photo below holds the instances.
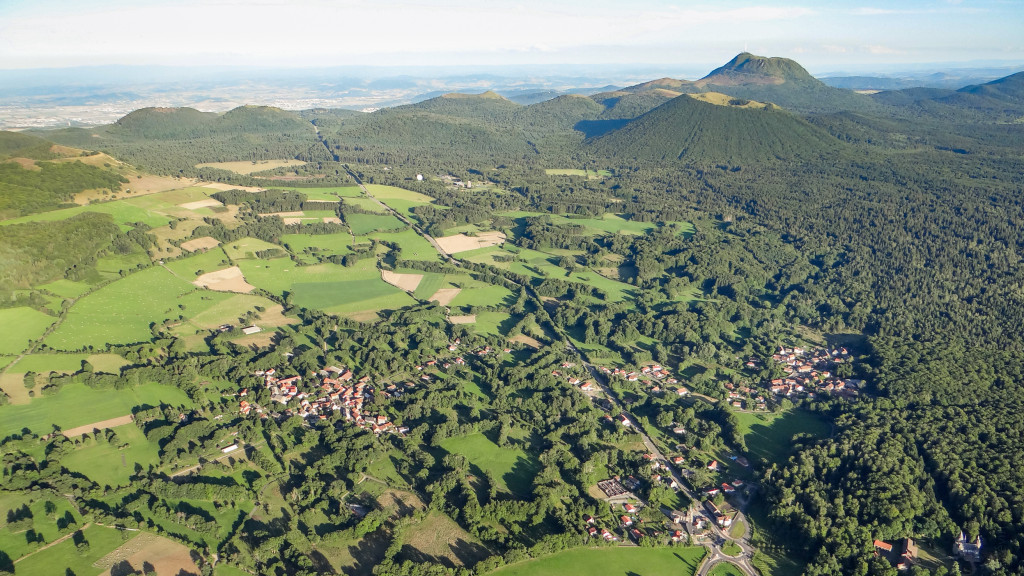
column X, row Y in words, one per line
column 840, row 36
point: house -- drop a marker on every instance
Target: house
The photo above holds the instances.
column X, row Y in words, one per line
column 589, row 519
column 591, row 530
column 229, row 449
column 626, row 521
column 607, row 535
column 679, row 430
column 677, row 535
column 636, row 534
column 908, row 554
column 625, row 420
column 713, row 465
column 882, row 547
column 629, row 508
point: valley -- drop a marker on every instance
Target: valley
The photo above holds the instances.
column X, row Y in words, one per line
column 746, row 324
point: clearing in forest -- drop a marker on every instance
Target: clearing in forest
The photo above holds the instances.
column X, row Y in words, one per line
column 462, row 243
column 249, row 167
column 226, row 280
column 524, row 339
column 407, row 282
column 465, row 319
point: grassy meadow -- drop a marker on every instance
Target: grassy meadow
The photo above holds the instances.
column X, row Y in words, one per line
column 513, row 468
column 22, row 325
column 64, row 409
column 617, row 561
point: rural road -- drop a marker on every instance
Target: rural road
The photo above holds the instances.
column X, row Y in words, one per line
column 720, row 537
column 402, row 217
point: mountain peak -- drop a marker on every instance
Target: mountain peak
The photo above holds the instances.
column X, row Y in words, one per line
column 746, row 69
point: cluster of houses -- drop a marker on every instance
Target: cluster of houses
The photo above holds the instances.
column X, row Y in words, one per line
column 810, row 372
column 650, row 377
column 629, row 523
column 745, row 397
column 333, row 390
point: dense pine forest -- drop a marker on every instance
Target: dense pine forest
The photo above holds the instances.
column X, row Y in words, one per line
column 694, row 226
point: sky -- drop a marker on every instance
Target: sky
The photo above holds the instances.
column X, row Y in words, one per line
column 822, row 35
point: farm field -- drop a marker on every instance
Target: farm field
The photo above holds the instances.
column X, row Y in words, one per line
column 399, row 199
column 65, row 408
column 246, row 248
column 338, row 244
column 414, row 246
column 43, row 362
column 512, row 467
column 769, row 436
column 329, row 287
column 122, row 311
column 362, row 224
column 107, row 464
column 368, row 204
column 23, row 324
column 491, row 323
column 330, row 194
column 617, row 561
column 66, row 288
column 198, row 264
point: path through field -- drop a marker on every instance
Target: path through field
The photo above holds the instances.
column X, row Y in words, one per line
column 101, row 425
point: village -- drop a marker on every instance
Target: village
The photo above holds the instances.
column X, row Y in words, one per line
column 336, row 390
column 809, row 373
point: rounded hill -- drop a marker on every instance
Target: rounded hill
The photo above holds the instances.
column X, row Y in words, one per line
column 702, row 133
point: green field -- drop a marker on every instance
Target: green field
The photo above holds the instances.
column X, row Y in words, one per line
column 368, row 204
column 476, row 293
column 414, row 246
column 246, row 248
column 327, row 193
column 329, row 287
column 41, row 363
column 65, row 408
column 491, row 323
column 770, row 436
column 618, row 561
column 338, row 244
column 62, row 557
column 67, row 288
column 21, row 325
column 106, row 464
column 122, row 311
column 209, row 261
column 365, row 223
column 430, row 283
column 123, row 212
column 511, row 466
column 399, row 199
column 14, row 544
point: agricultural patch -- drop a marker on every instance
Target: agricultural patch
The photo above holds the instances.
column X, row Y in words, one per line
column 22, row 325
column 226, row 280
column 462, row 243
